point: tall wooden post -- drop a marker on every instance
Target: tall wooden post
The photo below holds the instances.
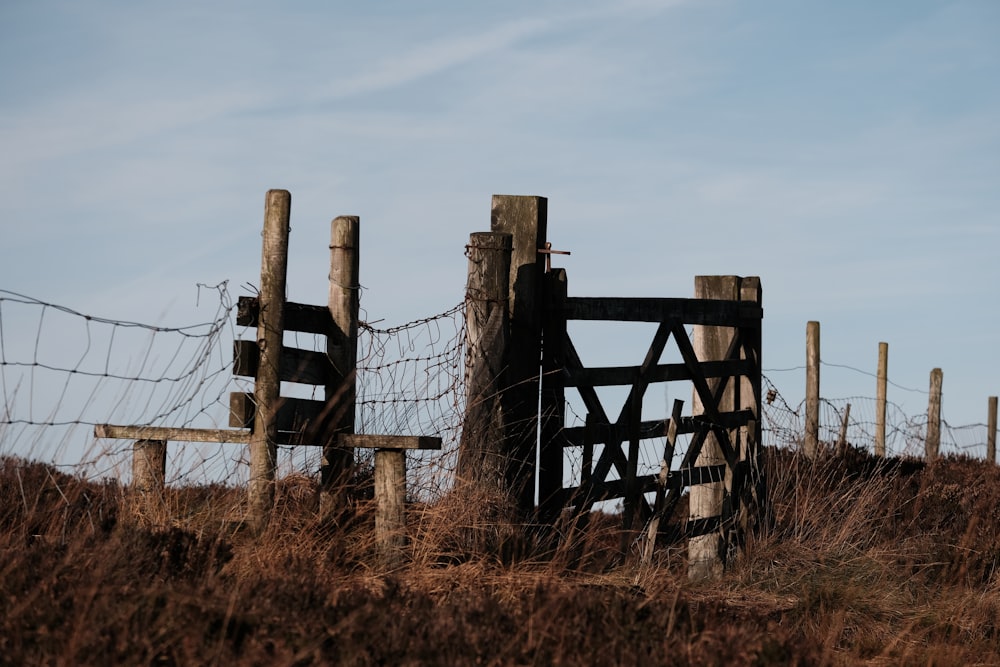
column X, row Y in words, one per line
column 482, row 457
column 933, row 444
column 342, row 349
column 525, row 218
column 270, row 331
column 991, row 430
column 553, row 399
column 711, row 343
column 880, row 398
column 811, row 443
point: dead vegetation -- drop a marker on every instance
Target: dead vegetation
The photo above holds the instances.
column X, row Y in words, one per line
column 867, row 562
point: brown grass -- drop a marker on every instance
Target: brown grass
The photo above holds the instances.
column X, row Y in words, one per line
column 867, row 562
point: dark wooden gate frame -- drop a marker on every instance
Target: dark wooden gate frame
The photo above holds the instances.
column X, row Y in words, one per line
column 737, row 431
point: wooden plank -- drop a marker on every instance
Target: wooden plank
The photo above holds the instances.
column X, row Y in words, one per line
column 297, row 365
column 677, row 479
column 299, row 317
column 625, row 375
column 170, row 434
column 575, row 436
column 294, row 414
column 360, row 441
column 710, row 312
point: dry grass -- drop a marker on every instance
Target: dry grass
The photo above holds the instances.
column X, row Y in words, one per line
column 867, row 562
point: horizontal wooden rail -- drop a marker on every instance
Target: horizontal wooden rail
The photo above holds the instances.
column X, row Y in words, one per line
column 627, row 375
column 298, row 317
column 235, row 436
column 168, row 433
column 362, row 441
column 302, row 366
column 677, row 479
column 577, row 436
column 709, row 312
column 294, row 414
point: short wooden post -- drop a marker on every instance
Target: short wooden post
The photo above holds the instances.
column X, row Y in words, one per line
column 342, row 349
column 933, row 444
column 810, row 445
column 524, row 217
column 880, row 398
column 653, row 528
column 991, row 430
column 149, row 466
column 711, row 343
column 390, row 498
column 842, row 440
column 390, row 488
column 270, row 332
column 483, row 458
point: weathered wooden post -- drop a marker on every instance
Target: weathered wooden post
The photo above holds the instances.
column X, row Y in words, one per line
column 811, row 443
column 991, row 430
column 149, row 466
column 553, row 401
column 390, row 488
column 711, row 343
column 483, row 457
column 525, row 218
column 390, row 496
column 933, row 444
column 270, row 331
column 842, row 438
column 880, row 398
column 342, row 349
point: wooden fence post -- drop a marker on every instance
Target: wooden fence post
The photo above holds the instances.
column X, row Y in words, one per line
column 991, row 430
column 553, row 400
column 342, row 349
column 390, row 496
column 880, row 398
column 933, row 444
column 811, row 443
column 842, row 439
column 525, row 218
column 270, row 331
column 390, row 488
column 149, row 467
column 483, row 457
column 711, row 343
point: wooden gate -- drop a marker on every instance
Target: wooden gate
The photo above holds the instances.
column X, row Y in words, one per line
column 722, row 461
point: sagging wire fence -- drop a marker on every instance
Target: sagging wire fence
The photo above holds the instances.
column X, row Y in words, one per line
column 63, row 371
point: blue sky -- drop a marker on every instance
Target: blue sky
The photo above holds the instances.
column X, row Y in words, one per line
column 846, row 152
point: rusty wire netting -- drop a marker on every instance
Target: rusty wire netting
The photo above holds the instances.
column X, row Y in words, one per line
column 62, row 372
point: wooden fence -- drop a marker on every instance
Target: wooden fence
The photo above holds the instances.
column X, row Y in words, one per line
column 932, row 440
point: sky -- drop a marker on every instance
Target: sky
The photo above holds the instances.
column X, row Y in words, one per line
column 846, row 152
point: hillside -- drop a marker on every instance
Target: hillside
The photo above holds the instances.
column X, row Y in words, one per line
column 868, row 562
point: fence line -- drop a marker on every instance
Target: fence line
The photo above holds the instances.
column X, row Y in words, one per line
column 61, row 369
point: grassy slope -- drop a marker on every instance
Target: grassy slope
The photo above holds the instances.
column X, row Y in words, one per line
column 866, row 564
